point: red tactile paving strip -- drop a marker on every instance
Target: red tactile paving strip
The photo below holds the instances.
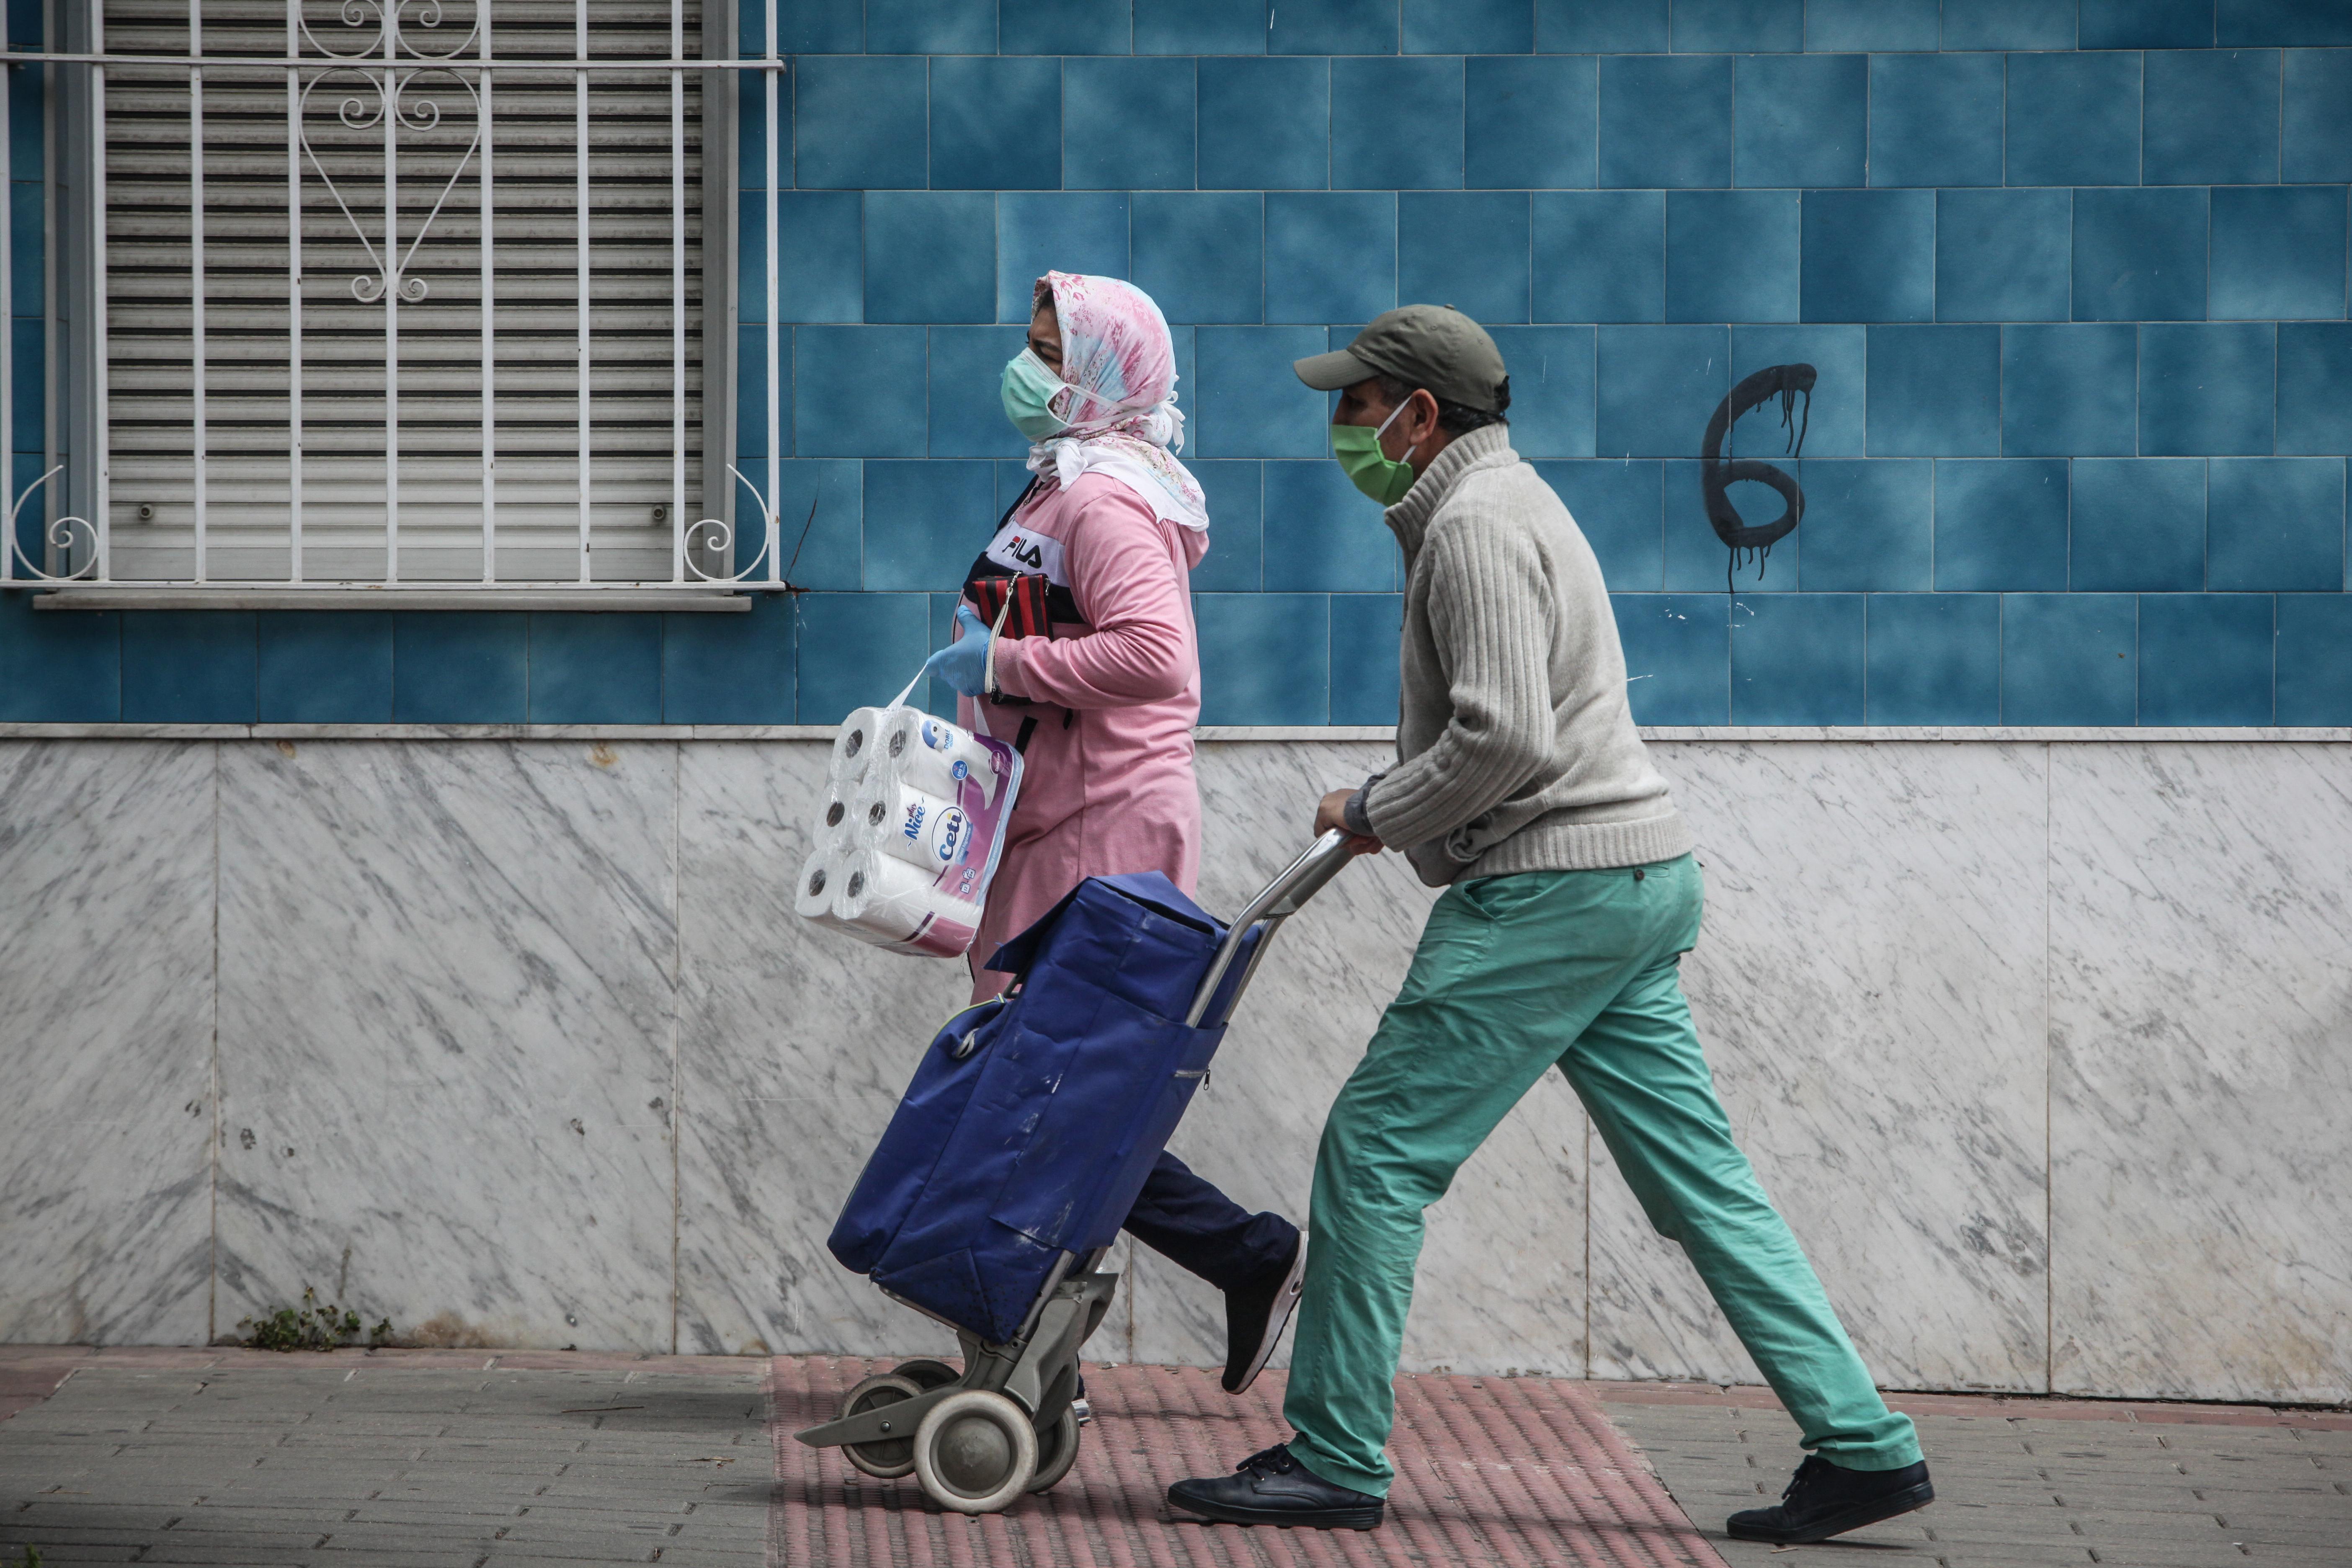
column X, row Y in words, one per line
column 1489, row 1471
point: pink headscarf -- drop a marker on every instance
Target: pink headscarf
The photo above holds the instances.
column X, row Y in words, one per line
column 1121, row 363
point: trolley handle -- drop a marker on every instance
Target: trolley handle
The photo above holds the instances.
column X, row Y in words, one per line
column 1282, row 899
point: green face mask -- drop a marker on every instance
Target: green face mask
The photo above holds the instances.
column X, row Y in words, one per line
column 1030, row 387
column 1374, row 471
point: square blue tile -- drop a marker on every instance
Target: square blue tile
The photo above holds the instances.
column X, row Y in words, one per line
column 931, row 27
column 1797, row 658
column 2138, row 525
column 967, row 400
column 1801, row 120
column 819, row 258
column 2274, row 523
column 2072, row 119
column 1600, row 256
column 859, row 122
column 2205, row 658
column 1200, row 26
column 2146, row 25
column 188, row 667
column 875, row 390
column 2290, row 23
column 2000, row 525
column 930, row 256
column 1601, row 27
column 1934, row 392
column 1696, row 559
column 1396, row 123
column 2206, row 389
column 1551, row 389
column 2315, row 387
column 1468, row 27
column 2066, row 658
column 1039, row 232
column 324, row 666
column 1869, row 524
column 1329, row 256
column 1322, row 535
column 1331, row 27
column 1935, row 120
column 1617, row 506
column 924, row 523
column 996, row 122
column 752, row 392
column 1677, row 656
column 1365, row 630
column 852, row 649
column 1666, row 120
column 809, row 27
column 1265, row 659
column 30, row 367
column 1732, row 256
column 1658, row 387
column 464, row 667
column 1869, row 255
column 1872, row 26
column 1201, row 255
column 1464, row 249
column 1739, row 26
column 2315, row 125
column 2314, row 660
column 1236, row 497
column 2004, row 256
column 1933, row 658
column 1249, row 403
column 820, row 517
column 592, row 668
column 2070, row 391
column 1103, row 100
column 1832, row 424
column 1265, row 124
column 2139, row 256
column 2009, row 24
column 1530, row 122
column 2212, row 117
column 730, row 669
column 58, row 666
column 2278, row 253
column 1064, row 26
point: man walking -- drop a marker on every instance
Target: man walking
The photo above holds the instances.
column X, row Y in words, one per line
column 1522, row 788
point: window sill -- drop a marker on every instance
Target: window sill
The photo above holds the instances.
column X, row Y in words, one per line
column 728, row 600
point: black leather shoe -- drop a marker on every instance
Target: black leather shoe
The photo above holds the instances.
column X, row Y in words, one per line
column 1256, row 1316
column 1826, row 1499
column 1272, row 1488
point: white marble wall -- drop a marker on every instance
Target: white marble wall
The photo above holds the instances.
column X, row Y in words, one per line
column 2043, row 1047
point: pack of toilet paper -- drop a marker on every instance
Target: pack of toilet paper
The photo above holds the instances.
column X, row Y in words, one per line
column 910, row 831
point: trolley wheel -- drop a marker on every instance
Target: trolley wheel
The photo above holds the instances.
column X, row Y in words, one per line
column 1057, row 1450
column 975, row 1452
column 888, row 1458
column 927, row 1374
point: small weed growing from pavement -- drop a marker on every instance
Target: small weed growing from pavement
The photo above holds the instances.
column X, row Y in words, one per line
column 313, row 1326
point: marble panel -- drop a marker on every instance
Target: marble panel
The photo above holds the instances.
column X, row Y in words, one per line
column 794, row 1046
column 1870, row 989
column 2202, row 1070
column 446, row 1015
column 106, row 1009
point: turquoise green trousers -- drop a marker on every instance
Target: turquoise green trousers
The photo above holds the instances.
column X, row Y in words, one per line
column 1513, row 975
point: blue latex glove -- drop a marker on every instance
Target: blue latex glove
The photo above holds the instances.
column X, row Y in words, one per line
column 963, row 664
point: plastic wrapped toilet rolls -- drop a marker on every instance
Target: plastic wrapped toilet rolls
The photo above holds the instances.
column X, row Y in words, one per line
column 887, row 901
column 935, row 756
column 855, row 747
column 820, row 884
column 920, row 828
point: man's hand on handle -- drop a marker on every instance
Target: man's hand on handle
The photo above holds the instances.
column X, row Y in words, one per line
column 1332, row 812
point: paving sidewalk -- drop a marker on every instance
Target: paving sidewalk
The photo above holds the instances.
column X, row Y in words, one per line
column 470, row 1458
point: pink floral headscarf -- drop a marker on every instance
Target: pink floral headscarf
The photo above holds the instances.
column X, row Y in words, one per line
column 1120, row 364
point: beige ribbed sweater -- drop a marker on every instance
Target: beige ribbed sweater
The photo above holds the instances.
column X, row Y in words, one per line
column 1515, row 751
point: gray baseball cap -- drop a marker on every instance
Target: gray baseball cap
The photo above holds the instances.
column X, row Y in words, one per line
column 1435, row 347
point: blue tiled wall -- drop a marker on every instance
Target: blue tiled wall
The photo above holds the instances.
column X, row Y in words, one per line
column 2073, row 274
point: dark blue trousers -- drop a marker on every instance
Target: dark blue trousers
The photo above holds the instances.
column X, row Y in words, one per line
column 1192, row 1224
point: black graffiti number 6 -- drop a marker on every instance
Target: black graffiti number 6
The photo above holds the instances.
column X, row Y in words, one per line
column 1716, row 476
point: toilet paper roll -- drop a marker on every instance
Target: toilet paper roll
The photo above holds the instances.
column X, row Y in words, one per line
column 935, row 756
column 911, row 825
column 855, row 747
column 839, row 825
column 889, row 902
column 820, row 885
